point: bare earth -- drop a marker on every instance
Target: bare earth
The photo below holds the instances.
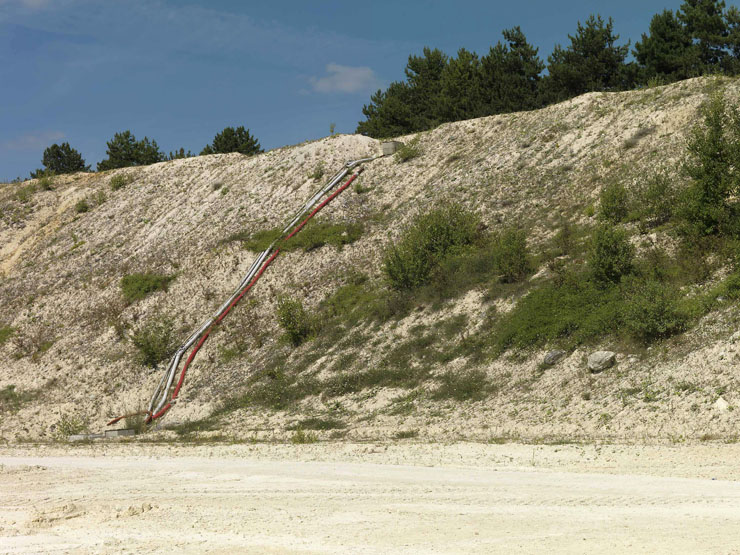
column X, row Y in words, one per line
column 365, row 498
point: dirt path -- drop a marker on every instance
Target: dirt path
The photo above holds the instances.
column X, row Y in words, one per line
column 370, row 499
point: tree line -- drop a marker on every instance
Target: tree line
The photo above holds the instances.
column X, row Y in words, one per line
column 701, row 37
column 125, row 151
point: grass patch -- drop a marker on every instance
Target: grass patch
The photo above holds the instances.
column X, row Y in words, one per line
column 470, row 385
column 409, row 151
column 313, row 236
column 315, row 423
column 12, row 400
column 301, row 437
column 137, row 286
column 6, row 333
column 119, row 181
column 406, row 434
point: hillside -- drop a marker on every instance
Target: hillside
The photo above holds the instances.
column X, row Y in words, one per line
column 69, row 356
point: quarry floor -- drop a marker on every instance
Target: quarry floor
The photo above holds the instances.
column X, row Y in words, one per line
column 133, row 497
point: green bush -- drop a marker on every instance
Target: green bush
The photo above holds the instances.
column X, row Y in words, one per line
column 510, row 256
column 294, row 319
column 409, row 151
column 613, row 206
column 137, row 286
column 425, row 243
column 155, row 341
column 82, row 206
column 611, row 254
column 651, row 309
column 655, row 199
column 708, row 206
column 572, row 314
column 119, row 181
column 67, row 426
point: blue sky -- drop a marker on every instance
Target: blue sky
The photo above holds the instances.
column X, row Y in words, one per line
column 180, row 71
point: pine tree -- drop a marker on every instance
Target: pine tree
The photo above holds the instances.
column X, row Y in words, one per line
column 389, row 113
column 233, row 140
column 125, row 151
column 510, row 75
column 667, row 51
column 592, row 62
column 705, row 23
column 461, row 95
column 61, row 159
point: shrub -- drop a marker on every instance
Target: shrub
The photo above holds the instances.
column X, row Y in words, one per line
column 423, row 245
column 294, row 319
column 119, row 181
column 510, row 256
column 137, row 286
column 611, row 254
column 82, row 206
column 656, row 198
column 409, row 151
column 571, row 314
column 155, row 341
column 67, row 426
column 613, row 206
column 714, row 167
column 651, row 309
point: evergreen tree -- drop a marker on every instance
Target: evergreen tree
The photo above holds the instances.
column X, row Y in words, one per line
column 233, row 140
column 125, row 151
column 510, row 75
column 461, row 94
column 705, row 23
column 592, row 62
column 667, row 51
column 179, row 154
column 424, row 77
column 389, row 113
column 61, row 159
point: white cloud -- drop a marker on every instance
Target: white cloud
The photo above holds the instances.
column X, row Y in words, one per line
column 33, row 141
column 346, row 79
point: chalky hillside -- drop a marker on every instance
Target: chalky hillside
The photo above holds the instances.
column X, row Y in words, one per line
column 456, row 290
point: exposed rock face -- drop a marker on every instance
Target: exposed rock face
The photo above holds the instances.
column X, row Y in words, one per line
column 71, row 354
column 601, row 360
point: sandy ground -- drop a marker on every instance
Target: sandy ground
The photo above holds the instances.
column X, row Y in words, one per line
column 396, row 498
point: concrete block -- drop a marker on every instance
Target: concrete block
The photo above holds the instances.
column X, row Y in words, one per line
column 120, row 433
column 391, row 147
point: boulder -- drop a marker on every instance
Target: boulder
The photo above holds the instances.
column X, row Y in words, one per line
column 721, row 405
column 553, row 357
column 601, row 360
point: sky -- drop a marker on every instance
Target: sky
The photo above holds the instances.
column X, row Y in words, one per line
column 178, row 72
